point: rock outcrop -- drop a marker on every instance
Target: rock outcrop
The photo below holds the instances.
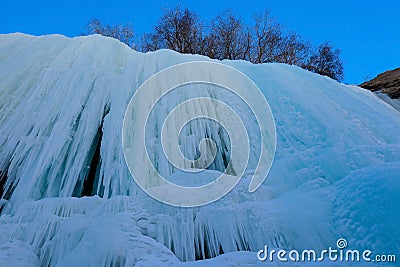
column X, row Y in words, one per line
column 388, row 82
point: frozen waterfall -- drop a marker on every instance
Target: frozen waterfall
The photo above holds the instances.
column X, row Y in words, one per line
column 68, row 199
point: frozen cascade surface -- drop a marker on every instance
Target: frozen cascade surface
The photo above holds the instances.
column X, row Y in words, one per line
column 68, row 198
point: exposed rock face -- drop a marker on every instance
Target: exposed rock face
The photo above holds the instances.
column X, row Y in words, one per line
column 388, row 82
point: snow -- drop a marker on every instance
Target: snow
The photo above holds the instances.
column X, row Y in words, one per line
column 395, row 103
column 335, row 174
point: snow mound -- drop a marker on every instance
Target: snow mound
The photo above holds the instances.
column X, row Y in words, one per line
column 68, row 198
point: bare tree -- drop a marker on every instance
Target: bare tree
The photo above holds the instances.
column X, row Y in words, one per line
column 326, row 61
column 210, row 46
column 178, row 30
column 124, row 33
column 151, row 42
column 229, row 38
column 267, row 36
column 293, row 50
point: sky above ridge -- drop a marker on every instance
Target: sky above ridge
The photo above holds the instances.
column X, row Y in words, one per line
column 367, row 32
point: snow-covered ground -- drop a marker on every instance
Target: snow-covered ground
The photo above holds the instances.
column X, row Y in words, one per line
column 336, row 172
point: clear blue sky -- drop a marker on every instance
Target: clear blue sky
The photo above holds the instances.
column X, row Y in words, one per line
column 367, row 32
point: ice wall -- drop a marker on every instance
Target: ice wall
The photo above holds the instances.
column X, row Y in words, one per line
column 68, row 198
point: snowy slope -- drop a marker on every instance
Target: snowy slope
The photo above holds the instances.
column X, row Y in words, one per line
column 62, row 102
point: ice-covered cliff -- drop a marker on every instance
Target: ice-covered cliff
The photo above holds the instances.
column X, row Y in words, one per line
column 68, row 198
